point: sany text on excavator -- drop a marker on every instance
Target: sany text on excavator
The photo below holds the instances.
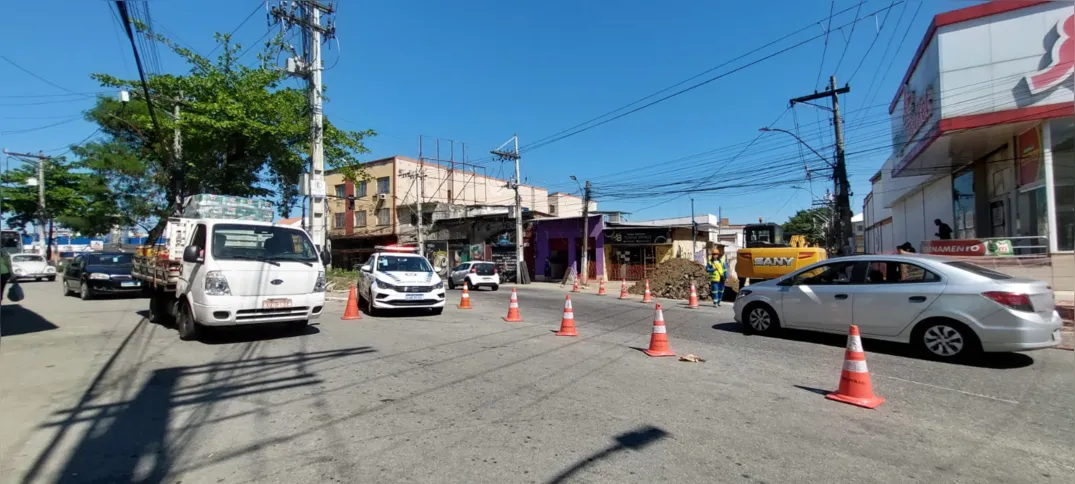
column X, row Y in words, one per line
column 768, row 256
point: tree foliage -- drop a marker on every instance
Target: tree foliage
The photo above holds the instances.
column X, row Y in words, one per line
column 810, row 223
column 243, row 132
column 73, row 197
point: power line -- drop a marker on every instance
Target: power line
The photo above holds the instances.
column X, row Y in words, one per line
column 847, row 42
column 870, row 48
column 534, row 146
column 825, row 50
column 237, row 27
column 42, row 79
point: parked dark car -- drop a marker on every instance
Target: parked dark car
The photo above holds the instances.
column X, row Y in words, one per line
column 100, row 273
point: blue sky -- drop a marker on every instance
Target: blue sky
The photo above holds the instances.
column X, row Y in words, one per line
column 478, row 71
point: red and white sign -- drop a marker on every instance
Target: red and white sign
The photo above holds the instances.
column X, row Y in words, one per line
column 955, row 247
column 1062, row 59
column 916, row 110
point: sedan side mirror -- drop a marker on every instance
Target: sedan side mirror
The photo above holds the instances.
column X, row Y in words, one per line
column 193, row 254
column 367, row 269
column 787, row 282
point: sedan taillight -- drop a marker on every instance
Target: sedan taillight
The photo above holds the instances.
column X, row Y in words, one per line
column 1011, row 300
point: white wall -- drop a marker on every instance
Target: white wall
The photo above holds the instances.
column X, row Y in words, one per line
column 469, row 188
column 983, row 62
column 912, row 216
column 566, row 205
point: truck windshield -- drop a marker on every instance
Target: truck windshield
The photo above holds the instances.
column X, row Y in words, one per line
column 261, row 242
column 395, row 263
column 10, row 241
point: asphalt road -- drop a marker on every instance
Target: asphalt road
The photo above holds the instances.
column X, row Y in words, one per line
column 91, row 392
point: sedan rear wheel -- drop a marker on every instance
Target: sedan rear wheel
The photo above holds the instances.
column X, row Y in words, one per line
column 760, row 318
column 947, row 340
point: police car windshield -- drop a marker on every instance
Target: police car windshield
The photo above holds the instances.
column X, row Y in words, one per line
column 395, row 263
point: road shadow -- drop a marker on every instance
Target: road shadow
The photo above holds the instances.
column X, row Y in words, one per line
column 818, row 391
column 995, row 361
column 400, row 313
column 635, row 440
column 254, row 332
column 133, row 436
column 17, row 320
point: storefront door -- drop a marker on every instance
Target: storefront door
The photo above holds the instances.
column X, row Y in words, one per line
column 963, row 205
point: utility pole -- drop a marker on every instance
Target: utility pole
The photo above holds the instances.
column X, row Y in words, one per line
column 514, row 156
column 694, row 233
column 306, row 14
column 177, row 138
column 42, row 218
column 585, row 265
column 419, row 178
column 841, row 219
column 720, row 223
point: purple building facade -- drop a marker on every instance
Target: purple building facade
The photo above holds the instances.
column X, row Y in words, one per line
column 559, row 240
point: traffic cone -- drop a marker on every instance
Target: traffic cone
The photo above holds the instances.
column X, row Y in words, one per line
column 601, row 288
column 575, row 287
column 464, row 300
column 646, row 296
column 623, row 290
column 855, row 387
column 658, row 341
column 567, row 325
column 351, row 312
column 513, row 309
column 692, row 303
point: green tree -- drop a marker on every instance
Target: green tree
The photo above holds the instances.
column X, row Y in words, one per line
column 73, row 198
column 810, row 223
column 243, row 132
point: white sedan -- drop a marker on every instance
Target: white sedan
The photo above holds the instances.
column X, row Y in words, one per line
column 947, row 308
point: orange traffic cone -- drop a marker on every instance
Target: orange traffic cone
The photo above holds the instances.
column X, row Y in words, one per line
column 575, row 287
column 855, row 387
column 567, row 325
column 658, row 341
column 351, row 312
column 692, row 303
column 601, row 288
column 646, row 296
column 623, row 290
column 464, row 300
column 513, row 309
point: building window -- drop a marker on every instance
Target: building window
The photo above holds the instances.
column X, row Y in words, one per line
column 384, row 216
column 338, row 219
column 963, row 205
column 1062, row 134
column 341, row 191
column 360, row 218
column 360, row 189
column 383, row 185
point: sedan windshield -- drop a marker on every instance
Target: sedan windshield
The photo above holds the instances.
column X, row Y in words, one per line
column 261, row 242
column 395, row 263
column 27, row 258
column 108, row 259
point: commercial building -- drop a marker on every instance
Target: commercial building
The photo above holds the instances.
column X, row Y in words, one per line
column 983, row 134
column 385, row 207
column 720, row 231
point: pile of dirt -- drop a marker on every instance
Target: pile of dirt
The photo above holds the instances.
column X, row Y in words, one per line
column 672, row 280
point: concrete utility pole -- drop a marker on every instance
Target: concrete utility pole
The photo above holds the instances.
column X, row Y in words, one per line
column 842, row 218
column 42, row 219
column 306, row 14
column 514, row 155
column 419, row 177
column 694, row 233
column 177, row 138
column 585, row 265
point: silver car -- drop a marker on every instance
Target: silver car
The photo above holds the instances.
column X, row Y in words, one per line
column 474, row 274
column 945, row 307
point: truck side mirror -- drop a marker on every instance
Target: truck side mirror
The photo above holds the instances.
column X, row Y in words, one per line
column 326, row 256
column 193, row 254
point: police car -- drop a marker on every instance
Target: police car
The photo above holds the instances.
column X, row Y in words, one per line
column 396, row 277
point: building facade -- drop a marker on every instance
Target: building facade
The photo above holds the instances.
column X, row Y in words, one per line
column 983, row 134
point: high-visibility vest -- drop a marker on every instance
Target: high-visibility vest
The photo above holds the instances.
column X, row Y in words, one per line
column 716, row 270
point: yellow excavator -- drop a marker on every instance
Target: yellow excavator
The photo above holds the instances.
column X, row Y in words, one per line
column 768, row 256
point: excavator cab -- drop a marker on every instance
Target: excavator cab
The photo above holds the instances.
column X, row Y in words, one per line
column 764, row 235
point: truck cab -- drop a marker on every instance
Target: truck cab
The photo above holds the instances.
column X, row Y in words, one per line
column 239, row 272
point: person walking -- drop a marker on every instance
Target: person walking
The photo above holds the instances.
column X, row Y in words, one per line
column 717, row 275
column 944, row 231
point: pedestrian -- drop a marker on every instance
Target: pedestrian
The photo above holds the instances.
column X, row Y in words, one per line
column 5, row 271
column 906, row 248
column 944, row 231
column 548, row 270
column 717, row 274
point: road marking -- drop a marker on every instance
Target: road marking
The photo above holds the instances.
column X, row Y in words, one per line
column 979, row 395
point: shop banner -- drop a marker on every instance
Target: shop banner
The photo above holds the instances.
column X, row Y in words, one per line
column 638, row 236
column 969, row 247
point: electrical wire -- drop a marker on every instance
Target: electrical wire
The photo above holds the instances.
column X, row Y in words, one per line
column 850, row 37
column 237, row 27
column 825, row 50
column 42, row 79
column 872, row 43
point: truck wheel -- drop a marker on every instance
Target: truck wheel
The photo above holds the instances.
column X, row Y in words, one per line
column 184, row 321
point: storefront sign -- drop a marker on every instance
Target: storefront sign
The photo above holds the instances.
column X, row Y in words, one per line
column 638, row 236
column 957, row 247
column 1029, row 155
column 916, row 111
column 1062, row 59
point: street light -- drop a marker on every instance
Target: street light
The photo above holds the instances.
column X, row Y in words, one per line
column 765, row 129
